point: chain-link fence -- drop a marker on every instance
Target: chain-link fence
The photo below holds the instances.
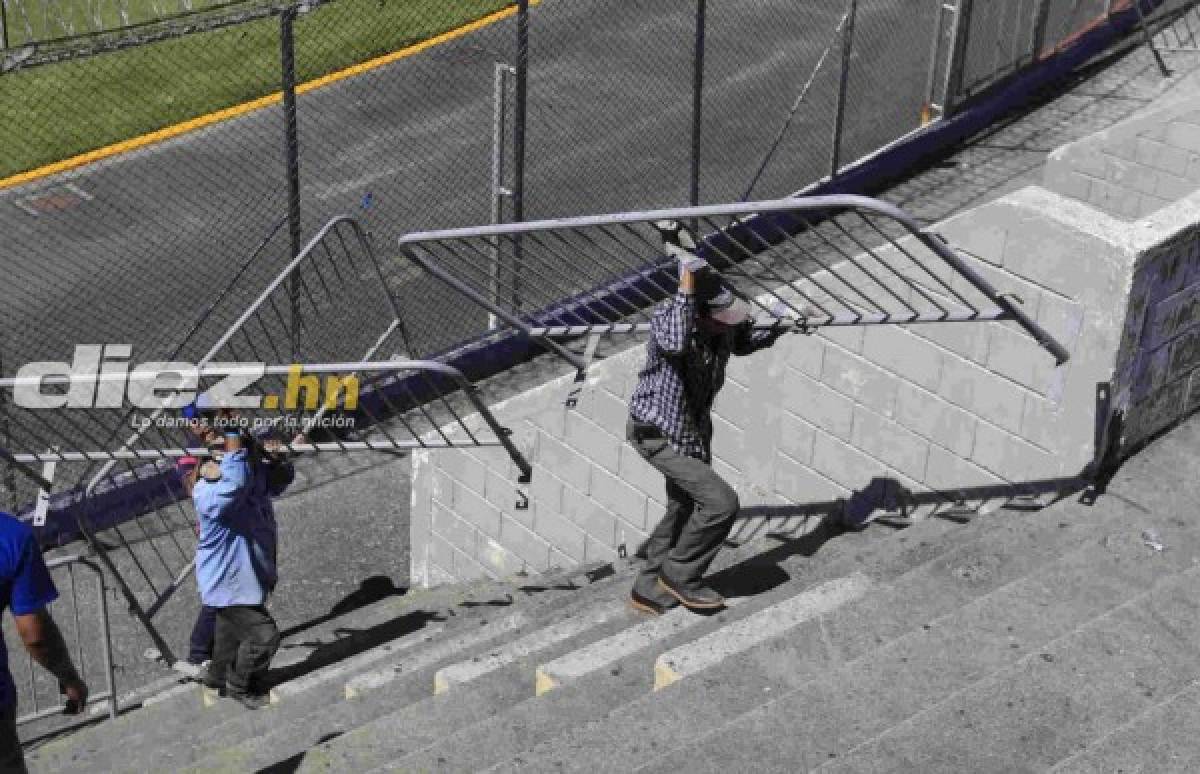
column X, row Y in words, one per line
column 139, row 184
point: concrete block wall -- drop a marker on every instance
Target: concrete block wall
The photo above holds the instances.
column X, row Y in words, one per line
column 1138, row 166
column 940, row 407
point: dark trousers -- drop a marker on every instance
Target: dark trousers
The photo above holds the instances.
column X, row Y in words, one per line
column 12, row 760
column 204, row 633
column 246, row 639
column 701, row 508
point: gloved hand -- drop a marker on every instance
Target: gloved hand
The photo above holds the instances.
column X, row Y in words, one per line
column 679, row 244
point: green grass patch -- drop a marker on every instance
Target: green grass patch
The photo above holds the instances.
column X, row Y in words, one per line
column 37, row 21
column 56, row 111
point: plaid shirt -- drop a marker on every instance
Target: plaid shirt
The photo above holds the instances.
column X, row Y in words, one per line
column 684, row 370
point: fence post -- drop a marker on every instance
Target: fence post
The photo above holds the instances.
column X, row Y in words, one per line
column 1040, row 19
column 499, row 125
column 287, row 19
column 697, row 97
column 519, row 118
column 835, row 161
column 960, row 38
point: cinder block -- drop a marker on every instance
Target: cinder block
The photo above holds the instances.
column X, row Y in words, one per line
column 1016, row 355
column 618, row 497
column 591, row 517
column 798, row 483
column 559, row 532
column 595, row 551
column 1061, row 317
column 983, row 393
column 889, row 443
column 928, row 415
column 594, row 442
column 564, row 462
column 796, row 437
column 1162, row 156
column 551, row 419
column 1135, row 177
column 609, row 411
column 545, row 491
column 726, row 435
column 441, row 557
column 1173, row 188
column 737, row 405
column 1064, row 180
column 442, row 485
column 525, row 544
column 1183, row 135
column 844, row 464
column 947, row 472
column 498, row 559
column 463, row 467
column 472, row 508
column 454, row 531
column 638, row 473
column 968, row 340
column 501, row 494
column 805, row 354
column 846, row 337
column 1011, row 458
column 855, row 377
column 899, row 351
column 818, row 405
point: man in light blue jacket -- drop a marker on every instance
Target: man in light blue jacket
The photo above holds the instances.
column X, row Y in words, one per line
column 235, row 569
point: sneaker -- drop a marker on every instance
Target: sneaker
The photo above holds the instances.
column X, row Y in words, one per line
column 191, row 670
column 251, row 701
column 692, row 597
column 645, row 604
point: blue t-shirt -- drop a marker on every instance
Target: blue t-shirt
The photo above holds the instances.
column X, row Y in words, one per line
column 25, row 586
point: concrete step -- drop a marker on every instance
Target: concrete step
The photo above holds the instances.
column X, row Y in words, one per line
column 308, row 714
column 895, row 612
column 178, row 705
column 1035, row 706
column 1160, row 738
column 869, row 695
column 457, row 747
column 181, row 710
column 410, row 726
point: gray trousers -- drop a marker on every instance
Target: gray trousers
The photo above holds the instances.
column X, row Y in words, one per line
column 12, row 760
column 701, row 508
column 246, row 640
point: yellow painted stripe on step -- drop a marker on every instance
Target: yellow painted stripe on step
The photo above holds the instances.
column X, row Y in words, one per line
column 543, row 683
column 194, row 124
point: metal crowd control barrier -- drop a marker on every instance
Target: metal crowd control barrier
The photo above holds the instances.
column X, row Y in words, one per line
column 359, row 406
column 39, row 683
column 330, row 304
column 807, row 263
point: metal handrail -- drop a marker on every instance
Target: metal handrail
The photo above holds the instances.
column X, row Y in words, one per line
column 109, row 695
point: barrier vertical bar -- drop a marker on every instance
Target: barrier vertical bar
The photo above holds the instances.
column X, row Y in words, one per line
column 835, row 162
column 3, row 25
column 697, row 97
column 287, row 46
column 519, row 117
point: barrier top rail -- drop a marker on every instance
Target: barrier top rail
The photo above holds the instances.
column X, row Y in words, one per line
column 804, row 262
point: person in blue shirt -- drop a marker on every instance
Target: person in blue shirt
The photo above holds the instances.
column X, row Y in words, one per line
column 26, row 589
column 235, row 569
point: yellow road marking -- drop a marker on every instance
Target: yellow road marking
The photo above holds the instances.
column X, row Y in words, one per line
column 191, row 125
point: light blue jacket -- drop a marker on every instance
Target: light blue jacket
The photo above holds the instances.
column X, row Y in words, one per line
column 235, row 555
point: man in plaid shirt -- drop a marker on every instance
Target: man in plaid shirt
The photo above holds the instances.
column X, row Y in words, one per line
column 692, row 338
